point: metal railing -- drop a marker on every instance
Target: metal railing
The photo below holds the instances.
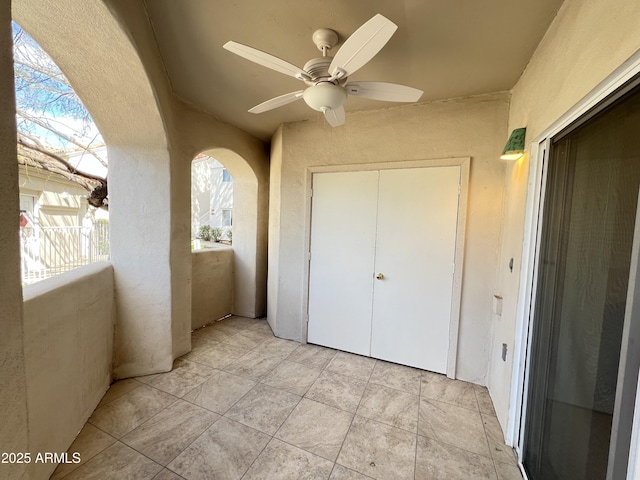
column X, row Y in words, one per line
column 49, row 251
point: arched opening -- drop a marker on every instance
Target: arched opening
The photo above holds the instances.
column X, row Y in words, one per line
column 62, row 166
column 242, row 297
column 211, row 203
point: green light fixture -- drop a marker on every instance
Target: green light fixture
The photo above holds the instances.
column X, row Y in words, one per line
column 514, row 148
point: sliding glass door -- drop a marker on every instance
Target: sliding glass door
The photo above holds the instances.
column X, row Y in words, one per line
column 585, row 251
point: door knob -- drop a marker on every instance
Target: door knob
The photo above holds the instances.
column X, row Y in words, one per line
column 379, row 276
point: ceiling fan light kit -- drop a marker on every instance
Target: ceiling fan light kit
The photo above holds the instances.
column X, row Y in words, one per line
column 326, row 77
column 325, row 96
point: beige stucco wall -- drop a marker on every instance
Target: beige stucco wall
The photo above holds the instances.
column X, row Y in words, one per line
column 68, row 332
column 585, row 43
column 13, row 393
column 211, row 285
column 474, row 127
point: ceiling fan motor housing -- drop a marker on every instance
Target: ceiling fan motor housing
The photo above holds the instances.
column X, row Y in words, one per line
column 318, row 70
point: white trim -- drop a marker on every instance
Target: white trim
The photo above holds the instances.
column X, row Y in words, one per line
column 526, row 295
column 464, row 163
column 535, row 197
column 633, row 473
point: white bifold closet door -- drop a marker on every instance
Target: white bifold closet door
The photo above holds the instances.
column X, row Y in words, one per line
column 382, row 263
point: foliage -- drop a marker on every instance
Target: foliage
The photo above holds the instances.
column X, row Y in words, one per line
column 230, row 235
column 208, row 233
column 216, row 234
column 205, row 233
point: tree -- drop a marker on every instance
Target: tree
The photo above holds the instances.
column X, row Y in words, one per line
column 51, row 119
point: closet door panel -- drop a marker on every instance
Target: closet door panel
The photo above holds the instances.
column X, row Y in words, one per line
column 343, row 232
column 415, row 254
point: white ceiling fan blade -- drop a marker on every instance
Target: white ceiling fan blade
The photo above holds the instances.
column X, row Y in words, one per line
column 335, row 117
column 388, row 92
column 277, row 102
column 266, row 60
column 363, row 45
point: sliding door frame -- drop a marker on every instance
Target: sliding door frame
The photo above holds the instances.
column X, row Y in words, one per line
column 606, row 92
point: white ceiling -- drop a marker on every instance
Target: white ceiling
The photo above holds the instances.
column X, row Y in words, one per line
column 448, row 48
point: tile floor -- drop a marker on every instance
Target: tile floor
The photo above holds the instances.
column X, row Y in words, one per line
column 247, row 405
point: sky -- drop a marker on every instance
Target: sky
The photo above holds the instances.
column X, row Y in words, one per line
column 42, row 91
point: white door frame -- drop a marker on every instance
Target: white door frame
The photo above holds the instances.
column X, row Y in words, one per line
column 464, row 164
column 530, row 249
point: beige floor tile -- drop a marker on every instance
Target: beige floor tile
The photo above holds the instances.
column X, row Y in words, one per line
column 166, row 435
column 292, row 377
column 378, row 450
column 388, row 405
column 115, row 463
column 260, row 325
column 247, row 339
column 484, row 400
column 227, row 325
column 89, row 442
column 281, row 461
column 218, row 355
column 277, row 347
column 343, row 473
column 264, row 408
column 197, row 340
column 337, row 391
column 352, row 365
column 130, row 410
column 508, row 472
column 117, row 389
column 458, row 433
column 316, row 428
column 184, row 377
column 216, row 333
column 457, row 426
column 254, row 364
column 439, row 461
column 499, row 451
column 198, row 346
column 242, row 323
column 439, row 387
column 167, row 475
column 396, row 376
column 220, row 392
column 226, row 450
column 312, row 355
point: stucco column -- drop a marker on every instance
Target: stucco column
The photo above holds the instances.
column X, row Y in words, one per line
column 140, row 224
column 13, row 394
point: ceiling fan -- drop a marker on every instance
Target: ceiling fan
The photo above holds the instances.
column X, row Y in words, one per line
column 326, row 77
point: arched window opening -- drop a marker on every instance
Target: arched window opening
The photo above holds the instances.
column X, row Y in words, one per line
column 211, row 203
column 62, row 163
column 227, row 202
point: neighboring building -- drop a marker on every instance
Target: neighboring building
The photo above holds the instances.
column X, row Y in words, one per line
column 211, row 195
column 59, row 229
